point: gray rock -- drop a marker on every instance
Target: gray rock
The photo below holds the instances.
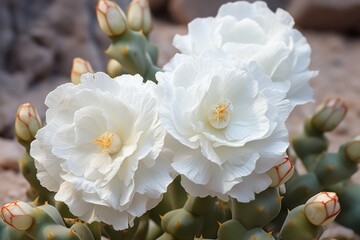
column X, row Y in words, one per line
column 162, row 36
column 10, row 152
column 183, row 11
column 156, row 5
column 36, row 96
column 15, row 189
column 39, row 40
column 327, row 14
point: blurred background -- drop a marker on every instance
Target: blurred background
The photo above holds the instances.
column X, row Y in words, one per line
column 40, row 38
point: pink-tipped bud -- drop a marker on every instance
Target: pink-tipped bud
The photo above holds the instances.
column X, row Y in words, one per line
column 329, row 114
column 322, row 208
column 79, row 67
column 17, row 215
column 139, row 16
column 281, row 173
column 111, row 18
column 27, row 122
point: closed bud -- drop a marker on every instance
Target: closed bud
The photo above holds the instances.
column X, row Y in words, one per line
column 329, row 114
column 139, row 16
column 352, row 150
column 27, row 122
column 79, row 67
column 17, row 215
column 281, row 173
column 114, row 68
column 111, row 18
column 322, row 208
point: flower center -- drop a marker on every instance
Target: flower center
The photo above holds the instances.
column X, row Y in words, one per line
column 219, row 115
column 108, row 142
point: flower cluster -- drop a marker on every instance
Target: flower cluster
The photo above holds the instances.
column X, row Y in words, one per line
column 222, row 102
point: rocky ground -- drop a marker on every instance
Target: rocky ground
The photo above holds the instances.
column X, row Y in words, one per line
column 37, row 58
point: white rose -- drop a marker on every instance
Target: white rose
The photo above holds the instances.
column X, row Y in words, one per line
column 100, row 148
column 252, row 31
column 227, row 124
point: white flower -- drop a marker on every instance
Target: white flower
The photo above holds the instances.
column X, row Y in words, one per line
column 252, row 31
column 228, row 121
column 100, row 148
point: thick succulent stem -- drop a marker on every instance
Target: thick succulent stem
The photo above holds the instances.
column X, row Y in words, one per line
column 131, row 50
column 185, row 223
column 266, row 206
column 298, row 227
column 28, row 169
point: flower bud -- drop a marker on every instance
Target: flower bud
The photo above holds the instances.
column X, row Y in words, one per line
column 27, row 122
column 322, row 208
column 111, row 18
column 329, row 114
column 17, row 215
column 281, row 173
column 352, row 150
column 79, row 67
column 139, row 16
column 114, row 68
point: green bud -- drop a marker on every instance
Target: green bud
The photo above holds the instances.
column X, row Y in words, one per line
column 27, row 122
column 329, row 114
column 352, row 150
column 111, row 18
column 139, row 16
column 115, row 69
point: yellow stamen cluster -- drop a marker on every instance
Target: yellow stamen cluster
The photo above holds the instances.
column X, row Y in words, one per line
column 221, row 112
column 219, row 115
column 108, row 142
